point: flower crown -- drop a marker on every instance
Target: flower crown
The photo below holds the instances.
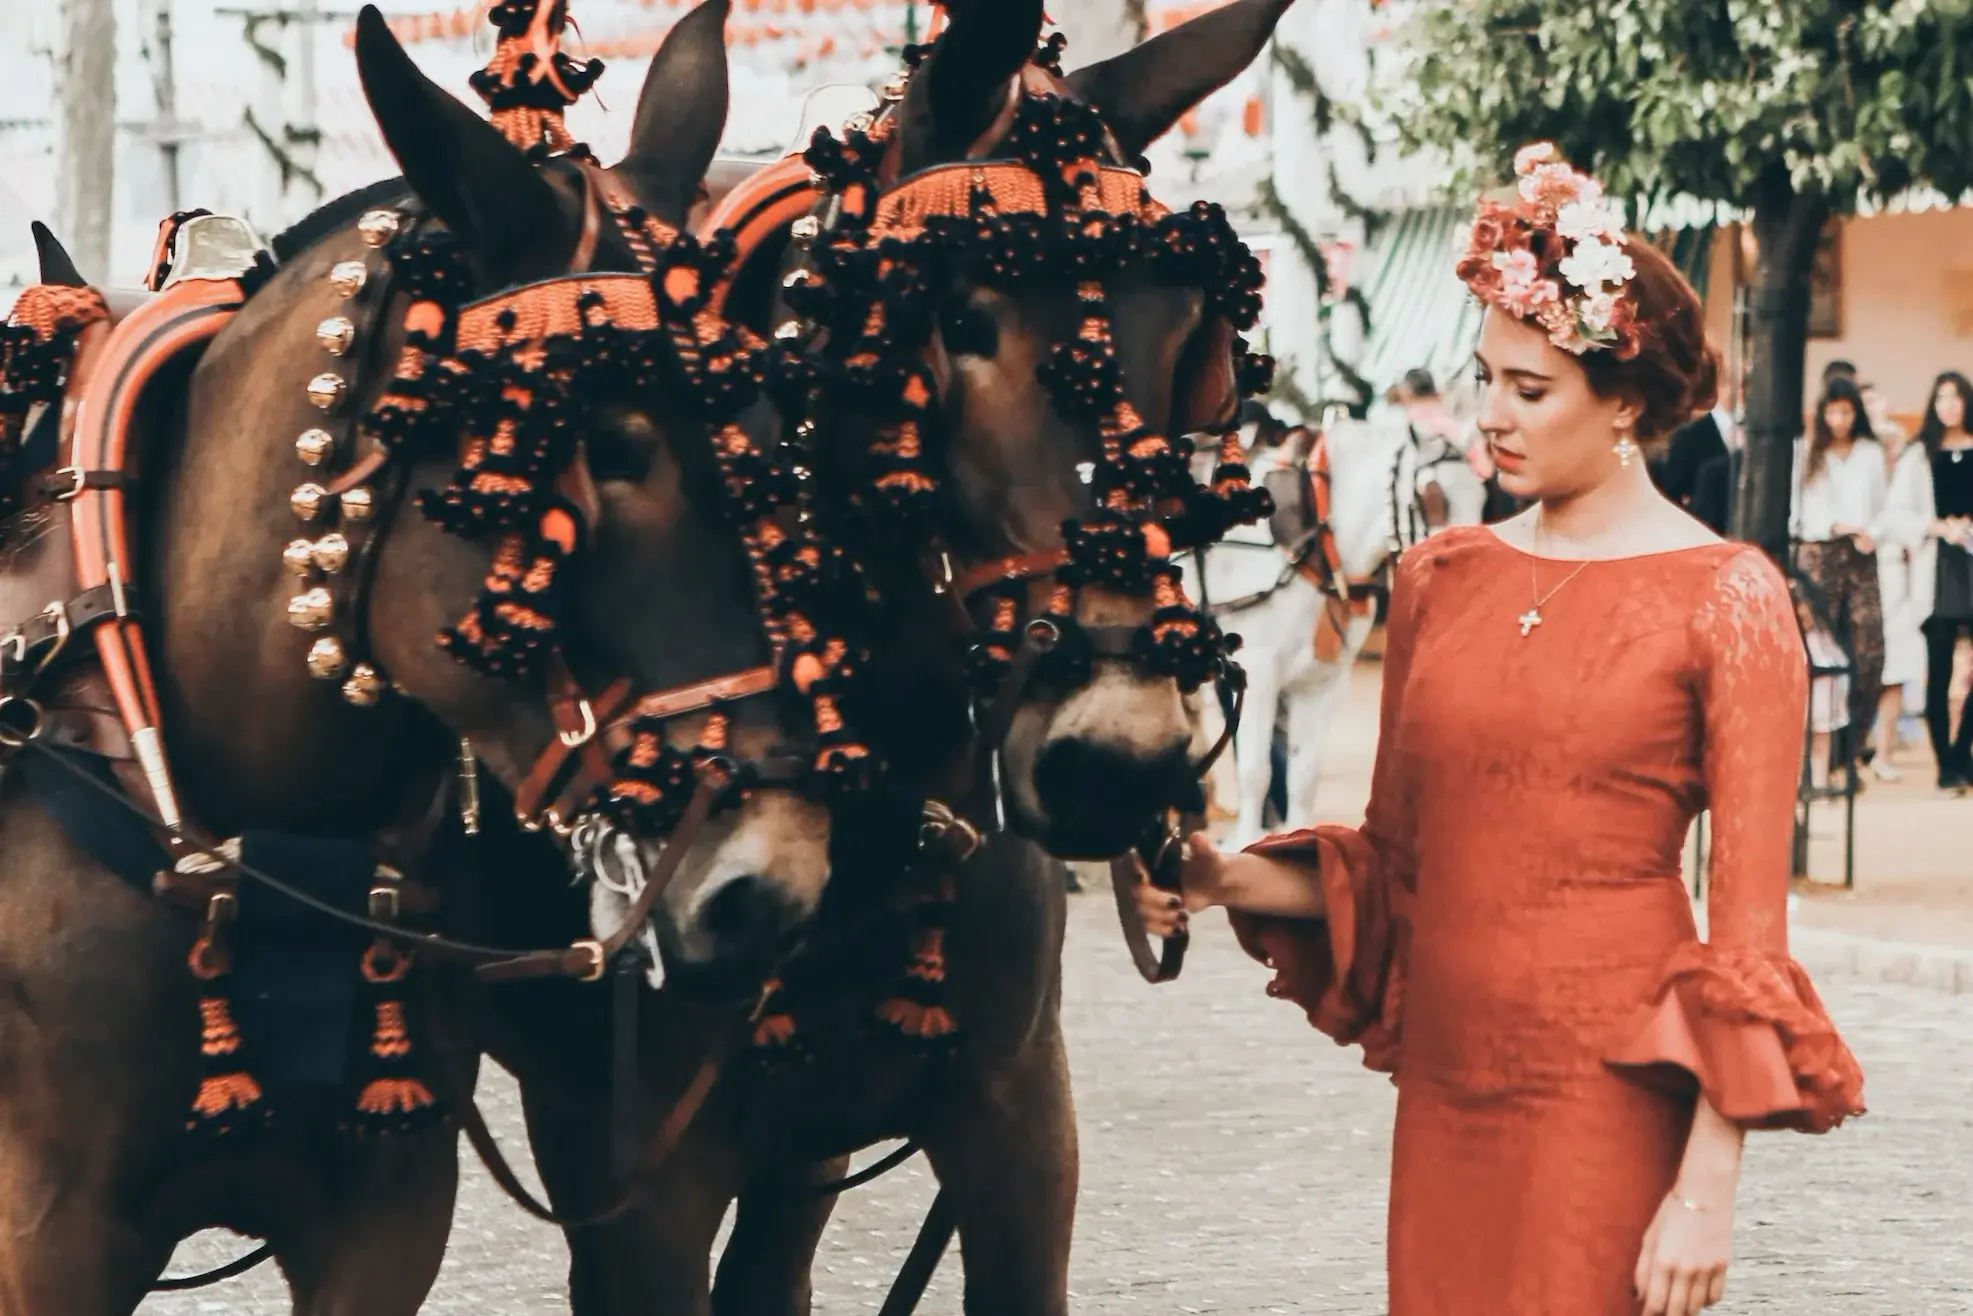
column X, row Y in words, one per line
column 1555, row 255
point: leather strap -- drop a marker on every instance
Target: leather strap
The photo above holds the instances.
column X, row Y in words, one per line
column 69, row 482
column 703, row 694
column 1021, row 566
column 934, row 1237
column 657, row 1152
column 1126, row 873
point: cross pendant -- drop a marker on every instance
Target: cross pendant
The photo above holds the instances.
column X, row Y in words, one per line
column 1529, row 620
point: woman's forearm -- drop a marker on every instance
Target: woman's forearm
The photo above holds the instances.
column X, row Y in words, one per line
column 1257, row 884
column 1710, row 1170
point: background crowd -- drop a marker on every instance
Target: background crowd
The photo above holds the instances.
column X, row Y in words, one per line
column 1882, row 530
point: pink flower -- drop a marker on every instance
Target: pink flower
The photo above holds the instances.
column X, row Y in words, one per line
column 1518, row 269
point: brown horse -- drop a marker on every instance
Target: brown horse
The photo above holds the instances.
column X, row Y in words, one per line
column 1090, row 759
column 99, row 1035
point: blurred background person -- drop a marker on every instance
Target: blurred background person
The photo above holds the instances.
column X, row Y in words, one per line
column 1840, row 493
column 1693, row 470
column 1942, row 573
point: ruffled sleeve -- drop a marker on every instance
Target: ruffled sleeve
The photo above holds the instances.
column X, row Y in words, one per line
column 1346, row 969
column 1734, row 1017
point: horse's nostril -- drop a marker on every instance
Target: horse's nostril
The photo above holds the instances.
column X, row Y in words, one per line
column 744, row 912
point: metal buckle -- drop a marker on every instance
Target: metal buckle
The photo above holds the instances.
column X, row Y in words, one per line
column 77, row 478
column 58, row 613
column 595, row 948
column 385, row 902
column 577, row 739
column 939, row 822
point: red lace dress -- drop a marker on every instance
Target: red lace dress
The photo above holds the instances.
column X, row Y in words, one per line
column 1509, row 933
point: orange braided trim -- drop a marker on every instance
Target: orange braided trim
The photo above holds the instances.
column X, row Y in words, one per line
column 553, row 309
column 1014, row 188
column 49, row 309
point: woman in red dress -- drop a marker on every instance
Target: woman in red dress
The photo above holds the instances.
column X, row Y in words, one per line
column 1508, row 932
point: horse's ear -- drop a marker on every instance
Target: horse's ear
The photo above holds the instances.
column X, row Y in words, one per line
column 1144, row 91
column 681, row 113
column 964, row 83
column 474, row 180
column 56, row 266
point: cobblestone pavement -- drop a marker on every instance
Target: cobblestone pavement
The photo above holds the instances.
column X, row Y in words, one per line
column 1233, row 1162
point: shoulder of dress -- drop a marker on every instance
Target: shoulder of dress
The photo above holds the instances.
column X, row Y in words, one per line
column 1743, row 586
column 1447, row 545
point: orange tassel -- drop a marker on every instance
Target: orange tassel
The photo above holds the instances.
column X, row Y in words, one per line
column 774, row 1030
column 923, row 1022
column 391, row 1040
column 386, row 1097
column 221, row 1095
column 218, row 1034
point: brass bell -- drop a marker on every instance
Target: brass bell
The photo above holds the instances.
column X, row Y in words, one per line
column 326, row 659
column 798, row 279
column 326, row 390
column 364, row 687
column 336, row 334
column 358, row 503
column 347, row 277
column 298, row 556
column 789, row 331
column 311, row 609
column 308, row 500
column 377, row 227
column 899, row 84
column 807, row 229
column 314, row 446
column 330, row 553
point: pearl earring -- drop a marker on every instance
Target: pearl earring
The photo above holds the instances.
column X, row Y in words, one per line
column 1625, row 448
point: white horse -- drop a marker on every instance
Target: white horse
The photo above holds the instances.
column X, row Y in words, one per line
column 1301, row 591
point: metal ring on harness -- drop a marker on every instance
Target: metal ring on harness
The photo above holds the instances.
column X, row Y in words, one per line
column 15, row 731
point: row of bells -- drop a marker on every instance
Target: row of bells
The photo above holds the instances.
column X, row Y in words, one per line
column 314, row 609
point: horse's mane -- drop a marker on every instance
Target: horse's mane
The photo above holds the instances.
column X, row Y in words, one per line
column 332, row 216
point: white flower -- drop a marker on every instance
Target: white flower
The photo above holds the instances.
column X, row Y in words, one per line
column 1535, row 153
column 1594, row 263
column 1588, row 218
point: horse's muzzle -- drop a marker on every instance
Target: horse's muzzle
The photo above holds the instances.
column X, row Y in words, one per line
column 1098, row 799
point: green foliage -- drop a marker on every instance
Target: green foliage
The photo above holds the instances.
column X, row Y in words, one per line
column 1723, row 100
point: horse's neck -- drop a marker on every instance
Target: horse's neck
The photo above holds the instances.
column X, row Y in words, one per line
column 253, row 739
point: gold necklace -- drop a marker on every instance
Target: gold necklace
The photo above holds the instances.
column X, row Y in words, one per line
column 1532, row 617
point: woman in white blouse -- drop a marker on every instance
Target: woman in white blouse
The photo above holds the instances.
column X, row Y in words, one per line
column 1841, row 492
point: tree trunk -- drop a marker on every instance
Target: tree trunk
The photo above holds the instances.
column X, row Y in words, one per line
column 85, row 164
column 1787, row 228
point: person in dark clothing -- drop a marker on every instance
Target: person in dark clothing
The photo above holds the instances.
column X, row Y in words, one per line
column 1693, row 468
column 1949, row 445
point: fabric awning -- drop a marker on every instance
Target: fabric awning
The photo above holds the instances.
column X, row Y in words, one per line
column 1420, row 313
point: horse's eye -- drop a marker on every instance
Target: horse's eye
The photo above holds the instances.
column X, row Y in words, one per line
column 623, row 447
column 967, row 330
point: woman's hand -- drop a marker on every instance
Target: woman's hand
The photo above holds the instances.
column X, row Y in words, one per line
column 1682, row 1267
column 1200, row 871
